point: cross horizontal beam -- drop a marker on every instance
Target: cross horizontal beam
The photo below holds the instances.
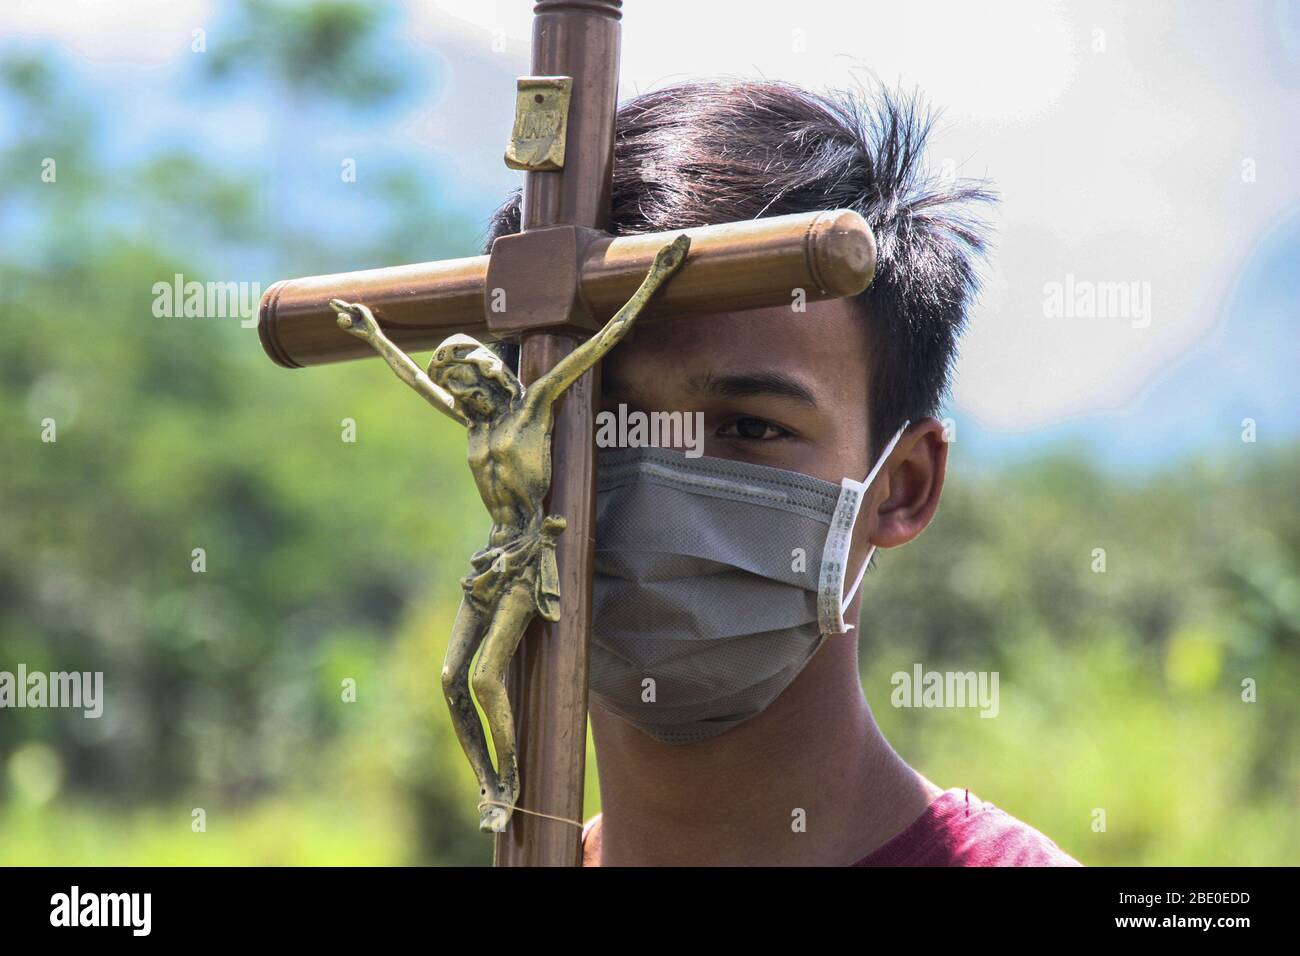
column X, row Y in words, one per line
column 742, row 265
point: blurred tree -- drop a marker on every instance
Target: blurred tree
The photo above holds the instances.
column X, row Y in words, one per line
column 329, row 49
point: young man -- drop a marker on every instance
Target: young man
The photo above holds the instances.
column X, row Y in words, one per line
column 728, row 716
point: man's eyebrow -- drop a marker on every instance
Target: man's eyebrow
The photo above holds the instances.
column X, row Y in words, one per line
column 767, row 382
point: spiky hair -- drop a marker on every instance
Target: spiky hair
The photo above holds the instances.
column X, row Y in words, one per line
column 708, row 152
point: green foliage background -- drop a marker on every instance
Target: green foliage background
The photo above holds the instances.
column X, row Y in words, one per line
column 1121, row 691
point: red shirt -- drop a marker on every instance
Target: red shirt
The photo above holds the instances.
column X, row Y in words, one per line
column 960, row 829
column 957, row 829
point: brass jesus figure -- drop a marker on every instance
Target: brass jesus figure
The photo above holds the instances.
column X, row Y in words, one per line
column 515, row 576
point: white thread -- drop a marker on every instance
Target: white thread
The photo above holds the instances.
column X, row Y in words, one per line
column 535, row 813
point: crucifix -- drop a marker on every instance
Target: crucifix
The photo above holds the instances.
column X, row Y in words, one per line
column 566, row 290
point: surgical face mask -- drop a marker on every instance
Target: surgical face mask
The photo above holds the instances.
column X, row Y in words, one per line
column 715, row 583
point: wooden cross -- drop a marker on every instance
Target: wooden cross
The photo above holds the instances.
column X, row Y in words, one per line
column 549, row 286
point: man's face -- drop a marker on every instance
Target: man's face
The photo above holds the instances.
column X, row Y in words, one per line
column 777, row 387
column 788, row 390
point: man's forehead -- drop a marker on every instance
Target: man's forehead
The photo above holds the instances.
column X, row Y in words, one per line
column 776, row 350
column 750, row 381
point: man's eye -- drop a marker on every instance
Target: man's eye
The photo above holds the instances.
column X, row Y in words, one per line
column 752, row 429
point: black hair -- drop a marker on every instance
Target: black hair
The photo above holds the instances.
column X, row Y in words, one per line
column 707, row 152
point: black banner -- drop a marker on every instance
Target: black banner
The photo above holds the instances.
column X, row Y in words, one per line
column 213, row 906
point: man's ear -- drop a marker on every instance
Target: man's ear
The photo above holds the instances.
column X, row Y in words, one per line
column 907, row 490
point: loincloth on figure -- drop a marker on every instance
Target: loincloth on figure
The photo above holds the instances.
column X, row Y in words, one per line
column 529, row 560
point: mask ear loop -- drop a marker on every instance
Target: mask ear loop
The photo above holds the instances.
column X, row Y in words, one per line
column 839, row 540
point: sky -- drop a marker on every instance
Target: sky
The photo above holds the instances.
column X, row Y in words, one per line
column 1150, row 147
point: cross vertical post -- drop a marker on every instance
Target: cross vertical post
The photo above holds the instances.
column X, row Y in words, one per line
column 547, row 681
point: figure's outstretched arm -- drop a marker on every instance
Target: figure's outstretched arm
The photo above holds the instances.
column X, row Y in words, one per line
column 569, row 369
column 360, row 321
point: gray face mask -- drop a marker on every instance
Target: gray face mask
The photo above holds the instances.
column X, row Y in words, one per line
column 715, row 583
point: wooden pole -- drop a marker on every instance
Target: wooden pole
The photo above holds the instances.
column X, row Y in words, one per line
column 548, row 676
